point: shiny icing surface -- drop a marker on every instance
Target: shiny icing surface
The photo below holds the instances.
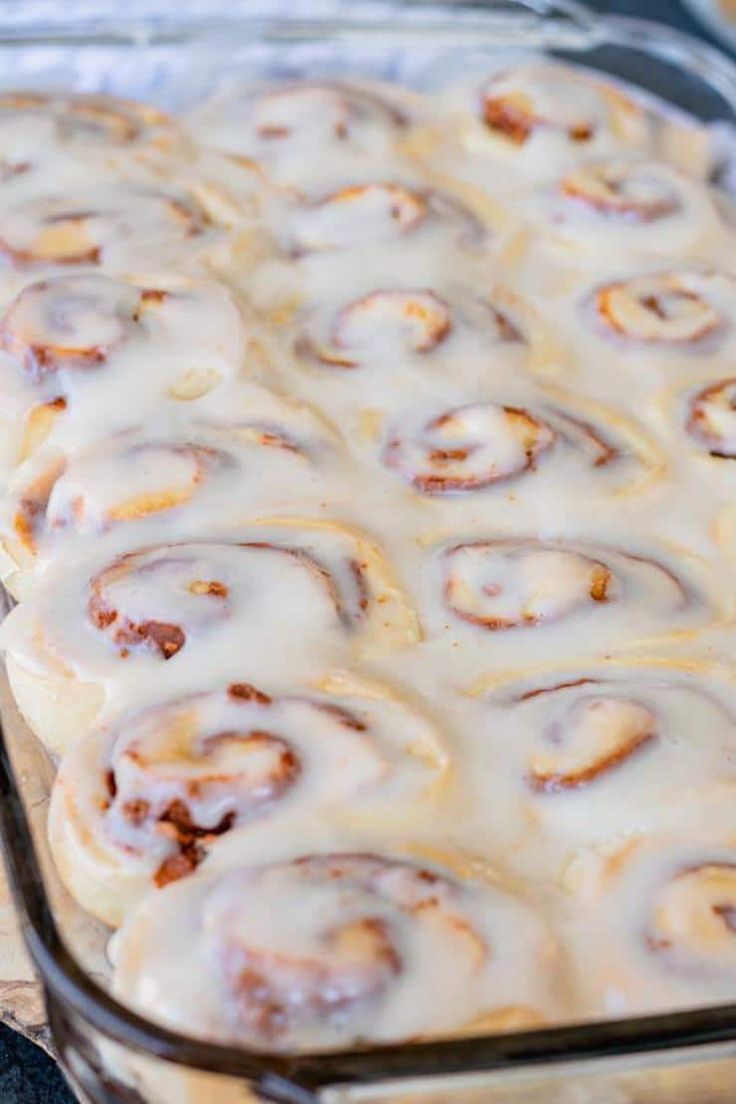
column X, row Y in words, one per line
column 368, row 496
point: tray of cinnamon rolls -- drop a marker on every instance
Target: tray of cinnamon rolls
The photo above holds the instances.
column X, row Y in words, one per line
column 367, row 518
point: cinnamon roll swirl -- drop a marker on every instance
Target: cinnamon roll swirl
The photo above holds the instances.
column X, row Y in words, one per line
column 388, row 951
column 120, row 226
column 411, row 321
column 84, row 357
column 74, row 322
column 291, row 128
column 391, row 328
column 626, row 206
column 711, row 419
column 469, row 448
column 537, row 99
column 360, row 214
column 483, row 576
column 60, row 330
column 683, row 310
column 521, row 597
column 488, row 444
column 596, row 752
column 291, row 594
column 145, row 801
column 32, row 123
column 138, row 485
column 627, row 191
column 661, row 907
column 381, row 214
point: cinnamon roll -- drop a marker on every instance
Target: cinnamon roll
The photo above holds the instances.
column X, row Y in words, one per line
column 469, row 448
column 289, row 129
column 381, row 213
column 506, row 585
column 85, row 356
column 137, row 484
column 116, row 225
column 596, row 752
column 711, row 419
column 537, row 98
column 346, row 569
column 74, row 322
column 628, row 191
column 684, row 310
column 522, row 597
column 486, row 444
column 33, row 122
column 144, row 801
column 85, row 496
column 627, row 206
column 70, row 324
column 391, row 325
column 660, row 908
column 327, row 950
column 288, row 595
column 360, row 214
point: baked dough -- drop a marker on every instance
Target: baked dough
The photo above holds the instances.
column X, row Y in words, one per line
column 367, row 491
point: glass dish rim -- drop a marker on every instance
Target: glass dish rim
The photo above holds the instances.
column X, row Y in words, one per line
column 297, row 1079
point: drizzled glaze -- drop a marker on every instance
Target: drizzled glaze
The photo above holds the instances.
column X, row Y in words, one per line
column 331, row 943
column 368, row 492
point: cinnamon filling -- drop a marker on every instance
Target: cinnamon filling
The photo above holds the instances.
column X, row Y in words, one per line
column 712, row 419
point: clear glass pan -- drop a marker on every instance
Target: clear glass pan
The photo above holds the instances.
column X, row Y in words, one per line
column 111, row 1055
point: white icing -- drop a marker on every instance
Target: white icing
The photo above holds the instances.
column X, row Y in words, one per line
column 308, row 953
column 414, row 415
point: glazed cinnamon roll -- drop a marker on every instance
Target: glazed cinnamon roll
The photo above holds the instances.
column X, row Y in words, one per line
column 381, row 213
column 145, row 801
column 625, row 206
column 74, row 322
column 487, row 444
column 78, row 323
column 115, row 225
column 683, row 310
column 281, row 127
column 390, row 325
column 84, row 356
column 360, row 214
column 347, row 571
column 521, row 597
column 84, row 494
column 518, row 103
column 595, row 752
column 294, row 594
column 503, row 584
column 537, row 98
column 543, row 115
column 711, row 419
column 366, row 948
column 136, row 484
column 469, row 448
column 627, row 191
column 31, row 123
column 65, row 332
column 661, row 908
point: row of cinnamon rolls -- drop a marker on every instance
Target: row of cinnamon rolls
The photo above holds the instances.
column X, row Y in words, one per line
column 355, row 595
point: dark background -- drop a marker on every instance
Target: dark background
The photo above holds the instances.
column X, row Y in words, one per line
column 27, row 1076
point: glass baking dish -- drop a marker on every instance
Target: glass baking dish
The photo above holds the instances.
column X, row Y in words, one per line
column 718, row 17
column 110, row 1054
